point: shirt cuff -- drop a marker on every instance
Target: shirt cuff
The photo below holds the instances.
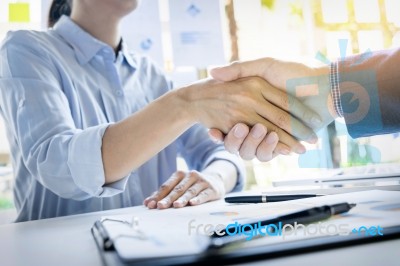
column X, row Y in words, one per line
column 233, row 159
column 335, row 90
column 86, row 164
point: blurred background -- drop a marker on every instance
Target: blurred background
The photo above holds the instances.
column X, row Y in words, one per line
column 188, row 37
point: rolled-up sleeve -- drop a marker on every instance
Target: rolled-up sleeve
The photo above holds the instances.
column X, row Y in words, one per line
column 199, row 151
column 64, row 159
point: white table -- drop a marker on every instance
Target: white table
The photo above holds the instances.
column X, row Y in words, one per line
column 68, row 241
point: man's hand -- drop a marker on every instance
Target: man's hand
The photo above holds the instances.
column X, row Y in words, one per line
column 251, row 101
column 186, row 188
column 308, row 85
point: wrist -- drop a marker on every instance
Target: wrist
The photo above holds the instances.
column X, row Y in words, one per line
column 179, row 103
column 196, row 98
column 187, row 96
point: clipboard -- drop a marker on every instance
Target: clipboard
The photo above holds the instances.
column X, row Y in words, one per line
column 242, row 255
column 372, row 203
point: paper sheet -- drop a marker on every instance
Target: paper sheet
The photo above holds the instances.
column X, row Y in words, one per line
column 196, row 32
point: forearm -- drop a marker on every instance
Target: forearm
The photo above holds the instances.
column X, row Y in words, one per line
column 130, row 143
column 224, row 170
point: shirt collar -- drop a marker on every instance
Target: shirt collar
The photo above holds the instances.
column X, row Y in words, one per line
column 127, row 55
column 85, row 45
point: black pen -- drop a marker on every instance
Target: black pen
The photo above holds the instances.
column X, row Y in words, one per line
column 268, row 198
column 307, row 216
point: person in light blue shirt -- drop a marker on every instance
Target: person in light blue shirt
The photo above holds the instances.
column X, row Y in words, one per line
column 93, row 126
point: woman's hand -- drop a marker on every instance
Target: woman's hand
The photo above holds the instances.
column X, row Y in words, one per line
column 250, row 143
column 186, row 188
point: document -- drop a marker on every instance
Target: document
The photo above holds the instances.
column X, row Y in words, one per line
column 196, row 32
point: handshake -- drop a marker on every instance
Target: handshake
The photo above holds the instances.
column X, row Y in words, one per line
column 265, row 107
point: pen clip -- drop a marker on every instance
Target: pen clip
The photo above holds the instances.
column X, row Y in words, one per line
column 264, row 197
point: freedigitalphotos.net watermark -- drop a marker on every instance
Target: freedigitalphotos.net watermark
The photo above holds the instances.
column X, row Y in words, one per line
column 281, row 230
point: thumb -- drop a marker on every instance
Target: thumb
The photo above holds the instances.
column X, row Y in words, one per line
column 227, row 73
column 238, row 70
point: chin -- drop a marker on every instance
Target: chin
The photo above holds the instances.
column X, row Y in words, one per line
column 130, row 5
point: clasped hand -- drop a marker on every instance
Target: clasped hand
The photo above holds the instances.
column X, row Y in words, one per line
column 248, row 107
column 311, row 95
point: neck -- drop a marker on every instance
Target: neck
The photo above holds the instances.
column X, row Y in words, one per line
column 103, row 28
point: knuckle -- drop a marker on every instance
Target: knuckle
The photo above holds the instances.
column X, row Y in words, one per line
column 277, row 130
column 167, row 200
column 164, row 187
column 284, row 100
column 206, row 194
column 282, row 120
column 179, row 188
column 257, row 82
column 193, row 174
column 192, row 191
column 180, row 173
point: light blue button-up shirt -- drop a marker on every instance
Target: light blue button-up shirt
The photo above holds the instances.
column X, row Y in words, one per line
column 59, row 90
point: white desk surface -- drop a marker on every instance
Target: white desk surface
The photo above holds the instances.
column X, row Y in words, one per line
column 68, row 241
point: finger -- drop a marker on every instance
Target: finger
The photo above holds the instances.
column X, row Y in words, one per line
column 235, row 137
column 241, row 69
column 147, row 200
column 249, row 147
column 192, row 192
column 282, row 149
column 178, row 190
column 265, row 151
column 293, row 106
column 165, row 189
column 287, row 143
column 216, row 135
column 276, row 108
column 204, row 196
column 288, row 123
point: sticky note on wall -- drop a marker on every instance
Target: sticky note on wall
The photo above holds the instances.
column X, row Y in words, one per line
column 18, row 12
